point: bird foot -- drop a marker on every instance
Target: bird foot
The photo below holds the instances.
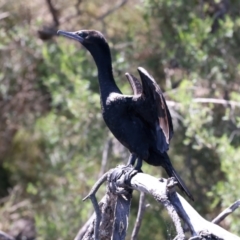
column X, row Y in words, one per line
column 171, row 182
column 120, row 179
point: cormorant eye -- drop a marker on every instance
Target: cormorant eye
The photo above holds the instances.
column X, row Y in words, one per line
column 82, row 34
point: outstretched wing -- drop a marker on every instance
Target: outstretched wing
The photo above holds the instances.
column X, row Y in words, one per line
column 153, row 94
column 135, row 84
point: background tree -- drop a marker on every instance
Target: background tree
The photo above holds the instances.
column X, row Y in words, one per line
column 53, row 142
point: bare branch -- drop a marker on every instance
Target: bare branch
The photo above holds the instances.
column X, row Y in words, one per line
column 4, row 15
column 197, row 224
column 54, row 13
column 158, row 189
column 141, row 210
column 217, row 101
column 107, row 208
column 83, row 230
column 47, row 32
column 110, row 11
column 207, row 100
column 93, row 198
column 226, row 212
column 97, row 185
column 74, row 15
column 122, row 210
column 122, row 180
column 5, row 236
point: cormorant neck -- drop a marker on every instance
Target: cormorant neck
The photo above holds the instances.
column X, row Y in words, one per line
column 102, row 58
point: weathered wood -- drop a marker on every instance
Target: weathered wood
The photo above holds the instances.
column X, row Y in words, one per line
column 92, row 196
column 5, row 236
column 138, row 222
column 115, row 208
column 84, row 228
column 121, row 217
column 159, row 190
column 226, row 212
column 107, row 208
column 197, row 224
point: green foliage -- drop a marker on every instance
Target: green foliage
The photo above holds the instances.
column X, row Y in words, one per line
column 201, row 63
column 52, row 134
column 73, row 134
column 228, row 188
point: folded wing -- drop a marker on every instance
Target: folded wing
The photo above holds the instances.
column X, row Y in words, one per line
column 153, row 108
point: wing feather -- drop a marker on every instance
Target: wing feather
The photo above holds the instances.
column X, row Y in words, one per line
column 151, row 106
column 135, row 84
column 153, row 92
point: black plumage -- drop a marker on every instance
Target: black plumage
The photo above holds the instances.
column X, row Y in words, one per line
column 135, row 84
column 142, row 122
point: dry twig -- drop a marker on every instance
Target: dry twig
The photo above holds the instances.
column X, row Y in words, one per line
column 208, row 100
column 226, row 212
column 141, row 209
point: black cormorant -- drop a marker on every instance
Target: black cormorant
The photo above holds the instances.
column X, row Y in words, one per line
column 142, row 122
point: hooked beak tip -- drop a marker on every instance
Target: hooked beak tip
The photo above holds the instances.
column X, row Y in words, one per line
column 71, row 35
column 59, row 32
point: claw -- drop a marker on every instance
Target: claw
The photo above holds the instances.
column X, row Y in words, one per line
column 120, row 179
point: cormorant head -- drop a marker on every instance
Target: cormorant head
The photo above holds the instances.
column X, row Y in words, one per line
column 92, row 40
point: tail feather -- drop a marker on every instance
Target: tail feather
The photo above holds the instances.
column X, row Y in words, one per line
column 172, row 173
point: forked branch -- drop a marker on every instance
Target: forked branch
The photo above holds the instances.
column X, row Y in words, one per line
column 118, row 194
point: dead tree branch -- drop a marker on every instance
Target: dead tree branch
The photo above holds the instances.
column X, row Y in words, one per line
column 107, row 209
column 141, row 210
column 53, row 12
column 122, row 210
column 197, row 224
column 110, row 11
column 208, row 100
column 122, row 180
column 5, row 236
column 92, row 196
column 47, row 32
column 226, row 212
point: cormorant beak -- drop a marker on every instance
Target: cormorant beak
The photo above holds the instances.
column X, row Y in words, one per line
column 72, row 35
